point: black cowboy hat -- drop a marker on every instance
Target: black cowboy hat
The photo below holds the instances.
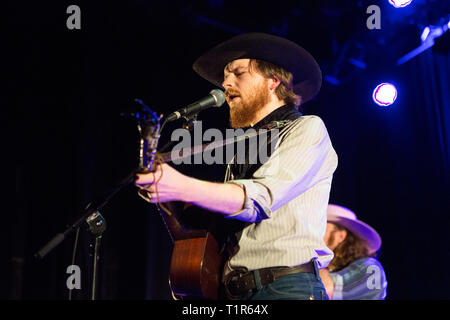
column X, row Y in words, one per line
column 279, row 51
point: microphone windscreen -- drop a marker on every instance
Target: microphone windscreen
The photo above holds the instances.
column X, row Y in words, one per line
column 219, row 96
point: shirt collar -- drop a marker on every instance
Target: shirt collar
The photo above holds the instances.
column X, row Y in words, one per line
column 282, row 113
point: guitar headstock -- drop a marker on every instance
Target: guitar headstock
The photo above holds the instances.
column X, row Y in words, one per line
column 149, row 126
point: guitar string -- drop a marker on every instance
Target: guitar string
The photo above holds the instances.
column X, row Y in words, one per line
column 166, row 210
column 159, row 203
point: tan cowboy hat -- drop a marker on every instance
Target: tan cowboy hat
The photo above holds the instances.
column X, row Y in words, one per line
column 347, row 218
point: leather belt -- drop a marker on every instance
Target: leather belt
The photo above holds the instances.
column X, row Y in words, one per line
column 238, row 283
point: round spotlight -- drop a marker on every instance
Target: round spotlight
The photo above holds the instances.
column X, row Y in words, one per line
column 384, row 94
column 400, row 3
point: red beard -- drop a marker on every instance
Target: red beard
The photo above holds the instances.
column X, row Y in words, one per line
column 243, row 111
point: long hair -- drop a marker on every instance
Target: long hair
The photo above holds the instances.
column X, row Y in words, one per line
column 284, row 91
column 351, row 249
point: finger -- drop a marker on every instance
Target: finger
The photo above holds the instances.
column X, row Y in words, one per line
column 139, row 180
column 142, row 186
column 148, row 188
column 145, row 195
column 143, row 179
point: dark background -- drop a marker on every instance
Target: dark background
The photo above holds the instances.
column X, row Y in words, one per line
column 66, row 90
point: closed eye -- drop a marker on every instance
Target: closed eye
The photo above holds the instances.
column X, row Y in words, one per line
column 238, row 74
column 239, row 71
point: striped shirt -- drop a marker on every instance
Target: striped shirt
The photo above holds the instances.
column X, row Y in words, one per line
column 286, row 200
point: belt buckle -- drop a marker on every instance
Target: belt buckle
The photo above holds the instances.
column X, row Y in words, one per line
column 266, row 276
column 230, row 283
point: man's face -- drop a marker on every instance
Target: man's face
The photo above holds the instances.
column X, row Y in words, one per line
column 246, row 92
column 333, row 236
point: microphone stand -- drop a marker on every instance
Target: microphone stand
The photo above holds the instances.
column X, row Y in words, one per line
column 89, row 214
column 97, row 225
column 149, row 128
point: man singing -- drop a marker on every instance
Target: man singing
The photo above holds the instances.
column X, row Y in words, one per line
column 282, row 202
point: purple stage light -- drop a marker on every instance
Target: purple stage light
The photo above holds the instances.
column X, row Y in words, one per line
column 384, row 94
column 400, row 3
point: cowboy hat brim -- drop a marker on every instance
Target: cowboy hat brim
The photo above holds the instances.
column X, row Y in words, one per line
column 307, row 77
column 357, row 227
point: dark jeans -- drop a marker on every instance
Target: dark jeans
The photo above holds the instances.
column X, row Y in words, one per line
column 299, row 286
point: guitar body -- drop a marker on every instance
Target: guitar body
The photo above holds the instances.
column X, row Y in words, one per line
column 195, row 268
column 197, row 262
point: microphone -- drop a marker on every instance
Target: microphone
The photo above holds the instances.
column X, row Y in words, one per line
column 216, row 98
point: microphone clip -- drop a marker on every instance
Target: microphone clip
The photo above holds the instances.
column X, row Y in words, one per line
column 189, row 121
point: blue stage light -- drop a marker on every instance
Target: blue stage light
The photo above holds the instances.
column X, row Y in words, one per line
column 384, row 94
column 400, row 3
column 425, row 34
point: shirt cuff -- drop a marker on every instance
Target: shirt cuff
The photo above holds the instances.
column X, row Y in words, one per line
column 255, row 206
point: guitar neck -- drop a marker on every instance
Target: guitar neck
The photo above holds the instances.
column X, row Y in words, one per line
column 187, row 152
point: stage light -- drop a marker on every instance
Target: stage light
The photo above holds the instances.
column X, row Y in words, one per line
column 400, row 3
column 425, row 34
column 428, row 37
column 384, row 94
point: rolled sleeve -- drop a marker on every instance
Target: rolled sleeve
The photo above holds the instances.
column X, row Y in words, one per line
column 256, row 198
column 303, row 158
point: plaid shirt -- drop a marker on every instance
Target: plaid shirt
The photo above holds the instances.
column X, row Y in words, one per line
column 362, row 279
